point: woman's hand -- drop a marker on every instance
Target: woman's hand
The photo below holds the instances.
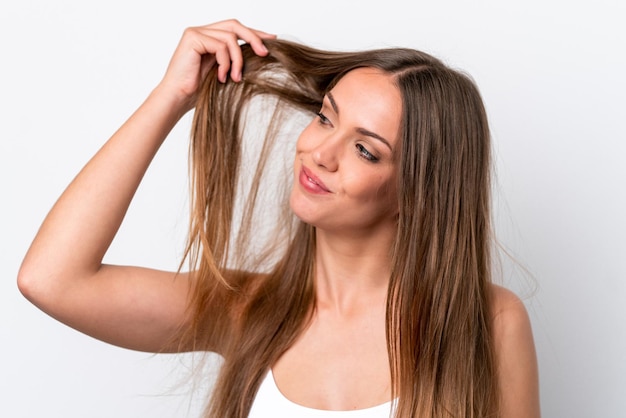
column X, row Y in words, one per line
column 203, row 47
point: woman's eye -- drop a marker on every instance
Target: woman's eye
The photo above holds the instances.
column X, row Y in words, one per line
column 323, row 119
column 365, row 153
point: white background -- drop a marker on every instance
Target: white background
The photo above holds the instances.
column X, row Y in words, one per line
column 552, row 76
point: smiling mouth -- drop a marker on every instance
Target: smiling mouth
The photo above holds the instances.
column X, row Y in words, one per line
column 312, row 183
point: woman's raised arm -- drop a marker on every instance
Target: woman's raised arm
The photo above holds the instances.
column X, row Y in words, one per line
column 62, row 272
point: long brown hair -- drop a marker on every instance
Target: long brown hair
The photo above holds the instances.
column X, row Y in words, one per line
column 438, row 321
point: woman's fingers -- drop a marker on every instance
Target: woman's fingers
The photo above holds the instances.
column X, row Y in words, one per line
column 224, row 45
column 228, row 51
column 252, row 36
column 205, row 46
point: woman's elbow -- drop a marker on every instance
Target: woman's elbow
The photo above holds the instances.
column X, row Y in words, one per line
column 35, row 285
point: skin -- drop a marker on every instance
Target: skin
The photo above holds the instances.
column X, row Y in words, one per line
column 334, row 362
column 357, row 170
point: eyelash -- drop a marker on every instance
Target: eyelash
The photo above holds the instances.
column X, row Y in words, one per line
column 323, row 120
column 364, row 153
column 361, row 150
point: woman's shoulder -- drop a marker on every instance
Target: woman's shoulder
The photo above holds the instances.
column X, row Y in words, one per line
column 508, row 311
column 515, row 354
column 505, row 301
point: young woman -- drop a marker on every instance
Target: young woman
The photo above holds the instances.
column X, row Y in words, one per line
column 377, row 300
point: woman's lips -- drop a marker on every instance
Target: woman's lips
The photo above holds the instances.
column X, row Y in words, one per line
column 312, row 183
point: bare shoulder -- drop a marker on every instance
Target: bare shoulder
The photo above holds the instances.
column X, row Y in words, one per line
column 510, row 322
column 515, row 355
column 507, row 309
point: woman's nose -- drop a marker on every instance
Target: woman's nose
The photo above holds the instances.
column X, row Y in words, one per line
column 326, row 154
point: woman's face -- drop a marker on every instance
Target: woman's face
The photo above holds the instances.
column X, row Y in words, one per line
column 345, row 171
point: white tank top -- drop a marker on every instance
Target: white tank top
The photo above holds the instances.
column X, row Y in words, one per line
column 270, row 402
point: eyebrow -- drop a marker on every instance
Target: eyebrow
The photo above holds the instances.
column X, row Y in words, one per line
column 361, row 131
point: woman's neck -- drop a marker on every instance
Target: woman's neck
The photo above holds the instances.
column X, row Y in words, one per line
column 352, row 272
